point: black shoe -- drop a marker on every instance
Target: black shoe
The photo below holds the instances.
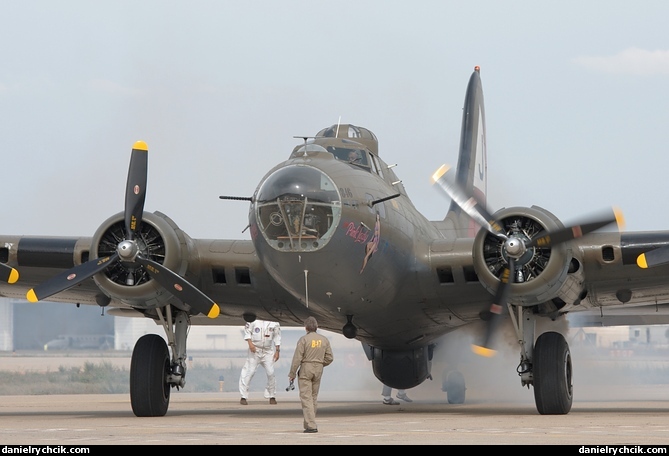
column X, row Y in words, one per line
column 243, row 401
column 310, row 431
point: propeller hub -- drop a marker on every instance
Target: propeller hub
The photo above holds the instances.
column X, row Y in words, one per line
column 127, row 251
column 514, row 247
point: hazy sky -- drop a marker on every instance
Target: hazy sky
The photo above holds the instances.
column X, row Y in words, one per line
column 576, row 96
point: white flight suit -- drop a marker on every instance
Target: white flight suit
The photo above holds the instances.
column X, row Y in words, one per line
column 265, row 336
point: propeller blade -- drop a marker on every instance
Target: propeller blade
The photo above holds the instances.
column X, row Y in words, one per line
column 128, row 250
column 69, row 278
column 180, row 288
column 8, row 273
column 548, row 239
column 135, row 192
column 655, row 257
column 515, row 246
column 496, row 310
column 469, row 204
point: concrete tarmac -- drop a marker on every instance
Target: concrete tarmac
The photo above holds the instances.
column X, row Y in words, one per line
column 497, row 411
column 219, row 419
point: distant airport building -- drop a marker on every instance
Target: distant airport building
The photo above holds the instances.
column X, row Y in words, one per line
column 59, row 326
column 30, row 326
column 6, row 325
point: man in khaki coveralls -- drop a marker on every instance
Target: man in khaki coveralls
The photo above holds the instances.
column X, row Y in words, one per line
column 312, row 353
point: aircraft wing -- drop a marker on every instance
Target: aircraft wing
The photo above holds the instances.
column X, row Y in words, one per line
column 43, row 258
column 227, row 271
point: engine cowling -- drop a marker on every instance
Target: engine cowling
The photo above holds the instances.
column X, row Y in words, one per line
column 158, row 239
column 542, row 274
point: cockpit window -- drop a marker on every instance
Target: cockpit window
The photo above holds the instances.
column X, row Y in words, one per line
column 357, row 157
column 377, row 166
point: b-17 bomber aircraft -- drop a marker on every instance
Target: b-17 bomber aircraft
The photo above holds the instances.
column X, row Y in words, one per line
column 335, row 235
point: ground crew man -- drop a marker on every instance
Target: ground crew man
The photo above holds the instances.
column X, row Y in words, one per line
column 264, row 340
column 387, row 393
column 312, row 353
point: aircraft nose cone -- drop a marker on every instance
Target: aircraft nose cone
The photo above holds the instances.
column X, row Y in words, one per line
column 297, row 208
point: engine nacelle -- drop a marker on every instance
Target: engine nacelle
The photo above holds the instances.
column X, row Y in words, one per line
column 159, row 239
column 543, row 273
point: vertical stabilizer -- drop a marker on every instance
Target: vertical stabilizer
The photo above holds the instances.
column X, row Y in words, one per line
column 471, row 172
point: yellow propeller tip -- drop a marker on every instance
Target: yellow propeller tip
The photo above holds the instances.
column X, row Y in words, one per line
column 482, row 351
column 443, row 169
column 641, row 261
column 13, row 276
column 31, row 296
column 140, row 145
column 620, row 218
column 214, row 311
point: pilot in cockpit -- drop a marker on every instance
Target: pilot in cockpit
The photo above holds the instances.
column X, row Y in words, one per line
column 354, row 156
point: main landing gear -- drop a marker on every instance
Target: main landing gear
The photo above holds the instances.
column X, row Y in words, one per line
column 453, row 384
column 153, row 373
column 546, row 365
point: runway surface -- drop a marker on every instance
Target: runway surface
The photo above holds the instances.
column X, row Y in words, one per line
column 218, row 418
column 497, row 411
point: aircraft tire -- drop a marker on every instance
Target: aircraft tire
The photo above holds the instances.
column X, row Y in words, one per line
column 552, row 374
column 149, row 367
column 454, row 385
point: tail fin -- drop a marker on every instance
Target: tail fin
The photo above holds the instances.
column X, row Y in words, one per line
column 471, row 172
